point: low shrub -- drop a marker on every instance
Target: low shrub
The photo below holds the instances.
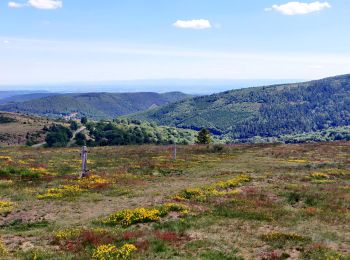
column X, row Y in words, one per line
column 64, row 191
column 110, row 251
column 5, row 207
column 24, row 173
column 3, row 250
column 130, row 217
column 222, row 188
column 279, row 239
column 93, row 182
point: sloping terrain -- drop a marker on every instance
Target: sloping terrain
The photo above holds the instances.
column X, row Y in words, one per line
column 93, row 105
column 262, row 111
column 16, row 129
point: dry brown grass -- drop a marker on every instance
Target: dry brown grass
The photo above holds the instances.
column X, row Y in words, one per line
column 14, row 133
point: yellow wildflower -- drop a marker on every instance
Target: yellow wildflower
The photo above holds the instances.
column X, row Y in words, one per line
column 223, row 188
column 62, row 191
column 92, row 182
column 68, row 233
column 129, row 217
column 5, row 207
column 3, row 250
column 106, row 252
column 319, row 176
column 297, row 161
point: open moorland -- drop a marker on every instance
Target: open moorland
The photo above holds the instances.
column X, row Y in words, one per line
column 216, row 202
column 16, row 129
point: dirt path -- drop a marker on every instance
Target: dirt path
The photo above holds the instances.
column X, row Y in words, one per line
column 74, row 134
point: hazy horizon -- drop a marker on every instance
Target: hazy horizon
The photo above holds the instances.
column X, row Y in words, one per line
column 161, row 86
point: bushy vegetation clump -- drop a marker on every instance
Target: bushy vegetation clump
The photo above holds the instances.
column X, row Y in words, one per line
column 130, row 217
column 6, row 119
column 3, row 250
column 58, row 136
column 131, row 132
column 112, row 252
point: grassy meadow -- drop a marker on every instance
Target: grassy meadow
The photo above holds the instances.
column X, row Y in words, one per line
column 217, row 202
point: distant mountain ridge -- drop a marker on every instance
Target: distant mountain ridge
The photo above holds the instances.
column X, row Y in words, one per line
column 25, row 97
column 93, row 105
column 4, row 94
column 262, row 111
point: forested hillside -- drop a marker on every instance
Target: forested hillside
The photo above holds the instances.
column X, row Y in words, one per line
column 264, row 111
column 93, row 105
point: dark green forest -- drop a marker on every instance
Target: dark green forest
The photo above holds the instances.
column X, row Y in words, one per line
column 271, row 111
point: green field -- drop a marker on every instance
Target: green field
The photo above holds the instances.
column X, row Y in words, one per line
column 218, row 202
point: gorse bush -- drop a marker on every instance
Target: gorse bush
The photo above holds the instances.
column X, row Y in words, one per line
column 61, row 192
column 129, row 217
column 173, row 207
column 3, row 250
column 319, row 176
column 75, row 188
column 5, row 207
column 222, row 188
column 93, row 182
column 67, row 234
column 109, row 251
column 233, row 182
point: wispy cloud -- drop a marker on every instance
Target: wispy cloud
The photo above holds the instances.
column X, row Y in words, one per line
column 15, row 5
column 39, row 4
column 299, row 8
column 193, row 24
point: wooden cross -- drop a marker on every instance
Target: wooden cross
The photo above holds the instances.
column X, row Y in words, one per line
column 84, row 153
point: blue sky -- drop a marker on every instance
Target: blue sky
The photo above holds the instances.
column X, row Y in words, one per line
column 53, row 42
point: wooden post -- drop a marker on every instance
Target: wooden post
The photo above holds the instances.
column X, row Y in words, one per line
column 84, row 153
column 175, row 151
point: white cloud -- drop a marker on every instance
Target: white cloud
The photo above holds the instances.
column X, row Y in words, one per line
column 297, row 8
column 40, row 4
column 46, row 4
column 193, row 24
column 15, row 5
column 5, row 42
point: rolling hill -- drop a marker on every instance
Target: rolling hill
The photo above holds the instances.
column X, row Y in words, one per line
column 262, row 111
column 17, row 129
column 93, row 105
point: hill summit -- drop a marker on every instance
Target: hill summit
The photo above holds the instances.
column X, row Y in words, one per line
column 262, row 111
